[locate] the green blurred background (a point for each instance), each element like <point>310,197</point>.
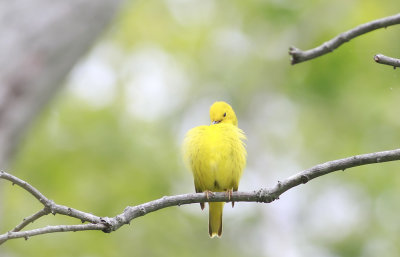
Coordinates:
<point>112,137</point>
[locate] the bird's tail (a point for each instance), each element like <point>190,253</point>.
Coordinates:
<point>215,219</point>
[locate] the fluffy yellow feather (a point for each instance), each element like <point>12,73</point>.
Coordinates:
<point>217,156</point>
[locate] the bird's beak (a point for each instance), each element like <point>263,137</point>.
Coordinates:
<point>216,121</point>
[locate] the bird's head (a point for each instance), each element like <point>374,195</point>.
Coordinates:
<point>221,112</point>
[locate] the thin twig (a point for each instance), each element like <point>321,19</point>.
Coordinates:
<point>299,56</point>
<point>382,59</point>
<point>31,219</point>
<point>49,229</point>
<point>33,191</point>
<point>53,207</point>
<point>263,195</point>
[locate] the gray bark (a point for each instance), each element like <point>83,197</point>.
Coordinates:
<point>299,56</point>
<point>108,225</point>
<point>40,41</point>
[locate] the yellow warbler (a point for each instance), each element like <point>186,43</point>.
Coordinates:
<point>217,156</point>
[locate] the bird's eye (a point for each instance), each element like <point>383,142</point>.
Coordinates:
<point>224,114</point>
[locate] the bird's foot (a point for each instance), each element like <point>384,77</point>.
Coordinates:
<point>229,192</point>
<point>208,193</point>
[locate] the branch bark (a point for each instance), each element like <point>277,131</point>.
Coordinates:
<point>106,224</point>
<point>382,59</point>
<point>299,56</point>
<point>26,221</point>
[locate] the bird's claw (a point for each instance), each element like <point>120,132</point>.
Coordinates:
<point>229,192</point>
<point>208,193</point>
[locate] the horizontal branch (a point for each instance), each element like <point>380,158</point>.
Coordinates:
<point>107,224</point>
<point>261,195</point>
<point>382,59</point>
<point>48,230</point>
<point>299,56</point>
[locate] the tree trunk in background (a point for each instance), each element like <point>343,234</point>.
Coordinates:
<point>40,41</point>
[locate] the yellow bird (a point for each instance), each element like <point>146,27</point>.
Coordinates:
<point>216,155</point>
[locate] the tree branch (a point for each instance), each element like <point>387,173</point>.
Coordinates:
<point>48,230</point>
<point>299,56</point>
<point>52,207</point>
<point>382,59</point>
<point>25,222</point>
<point>108,225</point>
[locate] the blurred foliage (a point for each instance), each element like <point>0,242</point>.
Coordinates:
<point>169,60</point>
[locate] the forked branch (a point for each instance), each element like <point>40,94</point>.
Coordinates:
<point>106,224</point>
